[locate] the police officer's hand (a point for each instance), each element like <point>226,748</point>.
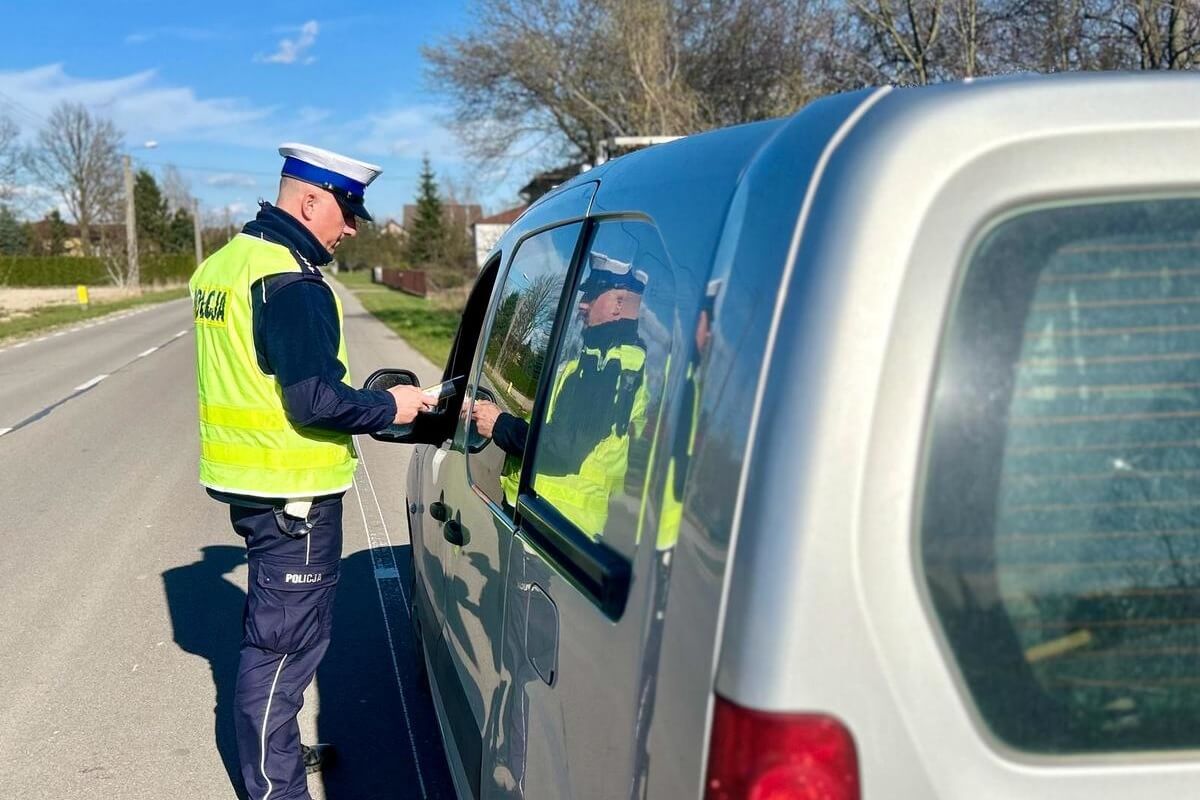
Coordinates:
<point>410,402</point>
<point>485,415</point>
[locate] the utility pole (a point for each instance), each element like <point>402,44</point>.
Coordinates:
<point>196,231</point>
<point>134,276</point>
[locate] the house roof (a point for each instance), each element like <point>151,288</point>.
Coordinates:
<point>506,217</point>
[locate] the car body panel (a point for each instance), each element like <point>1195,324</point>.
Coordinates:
<point>899,209</point>
<point>837,239</point>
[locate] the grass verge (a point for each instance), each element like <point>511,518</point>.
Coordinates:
<point>426,324</point>
<point>40,319</point>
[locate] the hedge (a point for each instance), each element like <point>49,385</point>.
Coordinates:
<point>71,270</point>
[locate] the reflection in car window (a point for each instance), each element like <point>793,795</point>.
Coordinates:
<point>593,446</point>
<point>514,357</point>
<point>1061,526</point>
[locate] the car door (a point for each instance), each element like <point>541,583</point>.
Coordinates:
<point>425,495</point>
<point>588,570</point>
<point>477,519</point>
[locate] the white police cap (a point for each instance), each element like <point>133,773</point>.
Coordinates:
<point>609,273</point>
<point>343,177</point>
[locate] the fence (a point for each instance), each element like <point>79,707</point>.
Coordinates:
<point>409,281</point>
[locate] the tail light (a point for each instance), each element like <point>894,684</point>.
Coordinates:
<point>757,755</point>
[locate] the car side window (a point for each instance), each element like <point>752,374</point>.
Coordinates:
<point>514,355</point>
<point>593,446</point>
<point>1060,530</point>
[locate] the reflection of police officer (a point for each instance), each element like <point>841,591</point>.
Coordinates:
<point>276,415</point>
<point>597,396</point>
<point>669,520</point>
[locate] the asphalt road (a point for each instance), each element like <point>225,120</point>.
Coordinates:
<point>122,584</point>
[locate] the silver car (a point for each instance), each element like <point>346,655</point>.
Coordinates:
<point>849,455</point>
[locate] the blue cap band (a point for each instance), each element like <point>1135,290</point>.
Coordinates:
<point>303,171</point>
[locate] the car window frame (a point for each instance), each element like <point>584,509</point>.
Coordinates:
<point>596,569</point>
<point>982,723</point>
<point>485,333</point>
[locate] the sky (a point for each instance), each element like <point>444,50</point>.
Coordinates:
<point>218,86</point>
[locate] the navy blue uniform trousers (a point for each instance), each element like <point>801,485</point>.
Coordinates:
<point>286,628</point>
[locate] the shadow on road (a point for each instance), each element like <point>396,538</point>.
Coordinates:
<point>206,617</point>
<point>387,748</point>
<point>388,743</point>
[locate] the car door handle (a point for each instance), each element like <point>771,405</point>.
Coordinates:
<point>455,533</point>
<point>439,511</point>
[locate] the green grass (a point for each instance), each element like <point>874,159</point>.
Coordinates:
<point>423,323</point>
<point>40,319</point>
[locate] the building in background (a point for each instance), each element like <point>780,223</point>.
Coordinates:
<point>488,230</point>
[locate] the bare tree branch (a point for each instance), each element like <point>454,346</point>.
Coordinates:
<point>78,157</point>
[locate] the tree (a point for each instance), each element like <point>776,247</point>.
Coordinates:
<point>10,158</point>
<point>78,157</point>
<point>425,237</point>
<point>55,234</point>
<point>151,212</point>
<point>180,234</point>
<point>574,72</point>
<point>176,190</point>
<point>1164,34</point>
<point>14,238</point>
<point>371,247</point>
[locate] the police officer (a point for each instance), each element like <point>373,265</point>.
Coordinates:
<point>598,396</point>
<point>277,411</point>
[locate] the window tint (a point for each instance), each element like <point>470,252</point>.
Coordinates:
<point>1061,520</point>
<point>514,357</point>
<point>593,446</point>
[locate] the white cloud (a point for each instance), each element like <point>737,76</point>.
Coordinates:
<point>232,179</point>
<point>138,104</point>
<point>409,132</point>
<point>174,32</point>
<point>292,51</point>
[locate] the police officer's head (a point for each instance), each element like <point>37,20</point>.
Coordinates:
<point>324,191</point>
<point>611,291</point>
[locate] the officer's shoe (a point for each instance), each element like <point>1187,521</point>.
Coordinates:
<point>317,757</point>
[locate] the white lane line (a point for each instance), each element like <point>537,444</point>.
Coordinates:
<point>181,333</point>
<point>387,629</point>
<point>89,384</point>
<point>4,431</point>
<point>19,346</point>
<point>145,353</point>
<point>42,339</point>
<point>60,333</point>
<point>386,533</point>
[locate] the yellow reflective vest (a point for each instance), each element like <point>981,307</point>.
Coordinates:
<point>582,497</point>
<point>247,444</point>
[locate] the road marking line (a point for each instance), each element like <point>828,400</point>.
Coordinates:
<point>386,533</point>
<point>4,431</point>
<point>90,383</point>
<point>19,346</point>
<point>60,333</point>
<point>41,339</point>
<point>145,353</point>
<point>387,629</point>
<point>181,333</point>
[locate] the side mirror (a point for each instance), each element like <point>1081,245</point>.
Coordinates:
<point>476,441</point>
<point>382,380</point>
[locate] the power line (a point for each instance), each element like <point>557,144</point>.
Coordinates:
<point>29,114</point>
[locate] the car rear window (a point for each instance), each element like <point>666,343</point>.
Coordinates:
<point>1060,523</point>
